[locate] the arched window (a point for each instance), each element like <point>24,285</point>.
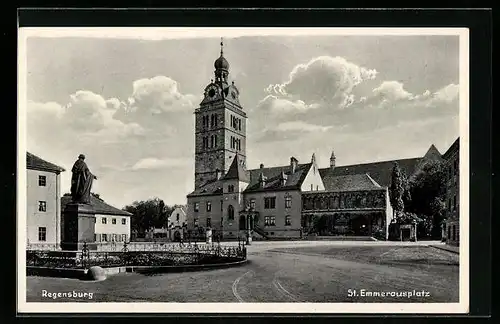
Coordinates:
<point>212,141</point>
<point>230,212</point>
<point>215,140</point>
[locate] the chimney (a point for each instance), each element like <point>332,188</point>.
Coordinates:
<point>262,166</point>
<point>332,161</point>
<point>262,180</point>
<point>293,164</point>
<point>218,174</point>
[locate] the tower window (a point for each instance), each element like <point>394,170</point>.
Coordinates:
<point>230,212</point>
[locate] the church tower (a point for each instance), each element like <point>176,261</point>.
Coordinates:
<point>220,127</point>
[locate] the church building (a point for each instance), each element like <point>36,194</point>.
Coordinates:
<point>278,201</point>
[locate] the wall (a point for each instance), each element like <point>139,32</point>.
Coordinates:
<point>51,218</point>
<point>173,217</point>
<point>280,229</point>
<point>313,178</point>
<point>109,228</point>
<point>453,192</point>
<point>203,213</point>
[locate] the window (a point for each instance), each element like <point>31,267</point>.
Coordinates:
<point>42,234</point>
<point>252,203</point>
<point>177,217</point>
<point>95,237</point>
<point>288,201</point>
<point>317,187</point>
<point>113,237</point>
<point>269,221</point>
<point>209,206</point>
<point>104,220</point>
<point>42,181</point>
<point>311,187</point>
<point>124,237</point>
<point>124,221</point>
<point>209,222</point>
<point>104,237</point>
<point>196,222</point>
<point>288,220</point>
<point>42,206</point>
<point>230,212</point>
<point>230,188</point>
<point>196,207</point>
<point>113,221</point>
<point>269,202</point>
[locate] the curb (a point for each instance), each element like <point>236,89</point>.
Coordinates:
<point>444,249</point>
<point>81,273</point>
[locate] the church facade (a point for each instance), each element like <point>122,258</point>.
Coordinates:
<point>279,201</point>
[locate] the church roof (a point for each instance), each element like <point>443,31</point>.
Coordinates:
<point>34,162</point>
<point>380,172</point>
<point>236,170</point>
<point>213,187</point>
<point>274,178</point>
<point>453,148</point>
<point>352,182</point>
<point>100,207</point>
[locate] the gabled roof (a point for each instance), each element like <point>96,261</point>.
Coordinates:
<point>213,187</point>
<point>34,162</point>
<point>381,172</point>
<point>273,175</point>
<point>453,148</point>
<point>182,208</point>
<point>236,170</point>
<point>352,182</point>
<point>100,207</point>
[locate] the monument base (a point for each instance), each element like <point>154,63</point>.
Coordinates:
<point>79,227</point>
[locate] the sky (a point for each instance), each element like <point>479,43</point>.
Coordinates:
<point>127,102</point>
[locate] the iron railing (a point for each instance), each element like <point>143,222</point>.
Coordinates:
<point>156,255</point>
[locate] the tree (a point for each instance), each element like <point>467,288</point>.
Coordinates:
<point>428,190</point>
<point>397,190</point>
<point>148,214</point>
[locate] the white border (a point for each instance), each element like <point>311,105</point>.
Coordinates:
<point>333,308</point>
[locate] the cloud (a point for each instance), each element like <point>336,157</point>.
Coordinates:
<point>447,93</point>
<point>276,105</point>
<point>324,80</point>
<point>155,163</point>
<point>117,134</point>
<point>392,91</point>
<point>159,94</point>
<point>301,126</point>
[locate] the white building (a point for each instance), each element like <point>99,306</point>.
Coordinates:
<point>43,219</point>
<point>111,224</point>
<point>178,218</point>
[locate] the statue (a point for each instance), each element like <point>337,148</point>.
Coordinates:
<point>81,181</point>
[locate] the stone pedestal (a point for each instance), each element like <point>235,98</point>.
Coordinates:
<point>79,227</point>
<point>209,235</point>
<point>249,238</point>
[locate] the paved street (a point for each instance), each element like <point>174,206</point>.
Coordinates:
<point>289,272</point>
